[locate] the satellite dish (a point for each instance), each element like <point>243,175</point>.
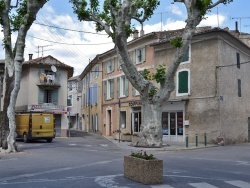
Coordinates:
<point>53,68</point>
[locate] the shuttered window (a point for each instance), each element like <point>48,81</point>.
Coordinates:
<point>238,60</point>
<point>183,82</point>
<point>185,58</point>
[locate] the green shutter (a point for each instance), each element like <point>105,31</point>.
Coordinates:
<point>118,87</point>
<point>55,96</point>
<point>126,87</point>
<point>183,82</point>
<point>186,56</point>
<point>105,90</point>
<point>40,95</point>
<point>112,88</point>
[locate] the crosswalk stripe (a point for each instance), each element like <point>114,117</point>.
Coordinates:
<point>161,186</point>
<point>239,183</point>
<point>202,185</point>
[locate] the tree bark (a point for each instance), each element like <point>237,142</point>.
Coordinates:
<point>151,129</point>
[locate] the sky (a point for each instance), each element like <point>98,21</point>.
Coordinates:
<point>78,43</point>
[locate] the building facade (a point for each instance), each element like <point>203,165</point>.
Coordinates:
<point>212,89</point>
<point>43,88</point>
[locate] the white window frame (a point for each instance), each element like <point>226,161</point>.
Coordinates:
<point>143,57</point>
<point>177,81</point>
<point>96,71</point>
<point>71,100</point>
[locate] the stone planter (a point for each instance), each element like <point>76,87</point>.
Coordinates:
<point>143,171</point>
<point>126,138</point>
<point>135,139</point>
<point>116,135</point>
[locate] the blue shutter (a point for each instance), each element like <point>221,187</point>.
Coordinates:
<point>55,96</point>
<point>40,95</point>
<point>91,96</point>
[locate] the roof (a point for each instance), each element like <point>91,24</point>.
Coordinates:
<point>49,61</point>
<point>73,78</point>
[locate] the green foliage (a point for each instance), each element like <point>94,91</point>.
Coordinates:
<point>159,76</point>
<point>90,11</point>
<point>2,7</point>
<point>152,91</point>
<point>176,42</point>
<point>146,74</point>
<point>203,5</point>
<point>17,18</point>
<point>143,155</point>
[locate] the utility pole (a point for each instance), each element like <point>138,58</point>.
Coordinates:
<point>239,18</point>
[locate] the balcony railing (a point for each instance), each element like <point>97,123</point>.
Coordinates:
<point>49,80</point>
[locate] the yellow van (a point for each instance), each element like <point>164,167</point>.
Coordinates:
<point>31,126</point>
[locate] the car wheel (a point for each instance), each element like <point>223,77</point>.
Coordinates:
<point>49,140</point>
<point>25,138</point>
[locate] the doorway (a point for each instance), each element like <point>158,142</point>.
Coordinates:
<point>136,121</point>
<point>109,122</point>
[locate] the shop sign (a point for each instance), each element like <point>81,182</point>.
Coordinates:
<point>135,103</point>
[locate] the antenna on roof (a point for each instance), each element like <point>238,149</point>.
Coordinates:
<point>239,18</point>
<point>38,47</point>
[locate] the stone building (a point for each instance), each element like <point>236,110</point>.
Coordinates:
<point>44,89</point>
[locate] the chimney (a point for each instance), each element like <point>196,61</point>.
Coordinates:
<point>136,33</point>
<point>236,27</point>
<point>30,56</point>
<point>141,32</point>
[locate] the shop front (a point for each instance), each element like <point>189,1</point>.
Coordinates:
<point>173,128</point>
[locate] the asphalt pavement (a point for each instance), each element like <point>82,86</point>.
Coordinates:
<point>167,145</point>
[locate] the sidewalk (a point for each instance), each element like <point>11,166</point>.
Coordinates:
<point>167,145</point>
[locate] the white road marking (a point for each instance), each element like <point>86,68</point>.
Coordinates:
<point>87,145</point>
<point>161,186</point>
<point>72,144</point>
<point>202,185</point>
<point>108,181</point>
<point>104,145</point>
<point>238,183</point>
<point>242,163</point>
<point>13,159</point>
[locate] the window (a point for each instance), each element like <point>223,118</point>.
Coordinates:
<point>238,60</point>
<point>83,84</point>
<point>69,102</point>
<point>122,86</point>
<point>89,97</point>
<point>95,121</point>
<point>47,96</point>
<point>83,100</point>
<point>90,77</point>
<point>185,58</point>
<point>123,119</point>
<point>110,65</point>
<point>109,89</point>
<point>183,82</point>
<point>239,87</point>
<point>70,86</point>
<point>96,71</point>
<point>139,55</point>
<point>95,93</point>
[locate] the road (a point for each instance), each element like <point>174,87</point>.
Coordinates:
<point>94,162</point>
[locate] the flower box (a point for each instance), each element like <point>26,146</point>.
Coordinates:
<point>126,138</point>
<point>143,171</point>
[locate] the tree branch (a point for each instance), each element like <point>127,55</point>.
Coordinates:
<point>216,3</point>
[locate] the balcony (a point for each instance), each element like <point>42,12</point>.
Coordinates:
<point>49,80</point>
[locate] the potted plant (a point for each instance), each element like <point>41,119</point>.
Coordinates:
<point>143,168</point>
<point>127,137</point>
<point>116,134</point>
